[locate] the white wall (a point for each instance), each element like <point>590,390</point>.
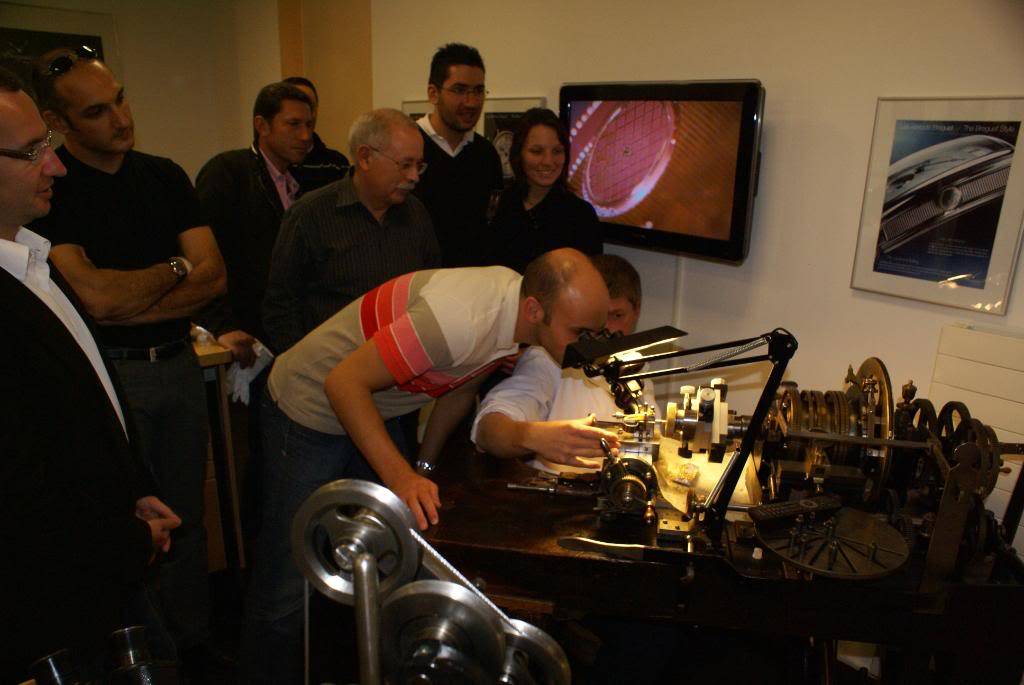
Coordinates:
<point>823,65</point>
<point>191,69</point>
<point>337,55</point>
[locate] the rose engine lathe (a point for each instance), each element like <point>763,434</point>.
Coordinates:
<point>843,483</point>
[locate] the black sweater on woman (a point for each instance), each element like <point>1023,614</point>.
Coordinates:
<point>517,235</point>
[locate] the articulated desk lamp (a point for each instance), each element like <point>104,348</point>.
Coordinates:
<point>620,361</point>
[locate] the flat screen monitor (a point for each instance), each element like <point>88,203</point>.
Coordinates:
<point>668,166</point>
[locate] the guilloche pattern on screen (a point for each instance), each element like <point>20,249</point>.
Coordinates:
<point>657,164</point>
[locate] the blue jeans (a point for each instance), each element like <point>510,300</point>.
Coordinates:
<point>297,461</point>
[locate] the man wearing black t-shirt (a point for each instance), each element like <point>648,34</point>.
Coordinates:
<point>127,236</point>
<point>463,169</point>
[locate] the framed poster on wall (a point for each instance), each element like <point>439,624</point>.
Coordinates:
<point>28,32</point>
<point>943,201</point>
<point>416,108</point>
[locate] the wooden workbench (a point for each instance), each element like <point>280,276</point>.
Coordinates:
<point>509,540</point>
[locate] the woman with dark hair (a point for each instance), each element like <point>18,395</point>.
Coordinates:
<point>538,213</point>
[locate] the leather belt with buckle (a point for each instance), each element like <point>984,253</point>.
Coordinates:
<point>150,354</point>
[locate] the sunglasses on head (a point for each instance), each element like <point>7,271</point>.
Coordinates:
<point>62,64</point>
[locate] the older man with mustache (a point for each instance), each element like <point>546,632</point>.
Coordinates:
<point>350,236</point>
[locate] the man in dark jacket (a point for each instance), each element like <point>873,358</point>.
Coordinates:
<point>77,514</point>
<point>243,194</point>
<point>322,165</point>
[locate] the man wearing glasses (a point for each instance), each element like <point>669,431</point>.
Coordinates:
<point>127,236</point>
<point>73,512</point>
<point>346,238</point>
<point>465,170</point>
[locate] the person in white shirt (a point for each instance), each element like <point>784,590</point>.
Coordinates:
<point>550,412</point>
<point>76,509</point>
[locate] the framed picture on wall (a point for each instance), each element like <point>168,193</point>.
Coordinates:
<point>416,108</point>
<point>497,123</point>
<point>943,202</point>
<point>26,33</point>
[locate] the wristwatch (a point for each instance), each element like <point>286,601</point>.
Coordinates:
<point>179,266</point>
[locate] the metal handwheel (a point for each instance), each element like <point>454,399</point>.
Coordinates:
<point>344,519</point>
<point>876,418</point>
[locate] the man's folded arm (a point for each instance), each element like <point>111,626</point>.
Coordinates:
<point>206,281</point>
<point>112,294</point>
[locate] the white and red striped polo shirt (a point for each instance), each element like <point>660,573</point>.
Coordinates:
<point>434,330</point>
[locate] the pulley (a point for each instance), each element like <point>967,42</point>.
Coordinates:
<point>344,519</point>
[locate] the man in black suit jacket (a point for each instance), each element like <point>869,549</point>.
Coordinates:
<point>77,525</point>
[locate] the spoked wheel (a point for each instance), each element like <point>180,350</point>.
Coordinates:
<point>871,392</point>
<point>344,519</point>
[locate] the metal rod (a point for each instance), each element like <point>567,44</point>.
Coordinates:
<point>781,348</point>
<point>721,346</point>
<point>305,631</point>
<point>366,588</point>
<point>716,492</point>
<point>857,440</point>
<point>546,489</point>
<point>677,351</point>
<point>730,353</point>
<point>553,489</point>
<point>1011,518</point>
<point>679,370</point>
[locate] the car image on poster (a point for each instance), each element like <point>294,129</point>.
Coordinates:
<point>943,197</point>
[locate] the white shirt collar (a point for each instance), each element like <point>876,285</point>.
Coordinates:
<point>17,256</point>
<point>467,137</point>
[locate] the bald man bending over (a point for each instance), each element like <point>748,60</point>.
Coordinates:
<point>332,404</point>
